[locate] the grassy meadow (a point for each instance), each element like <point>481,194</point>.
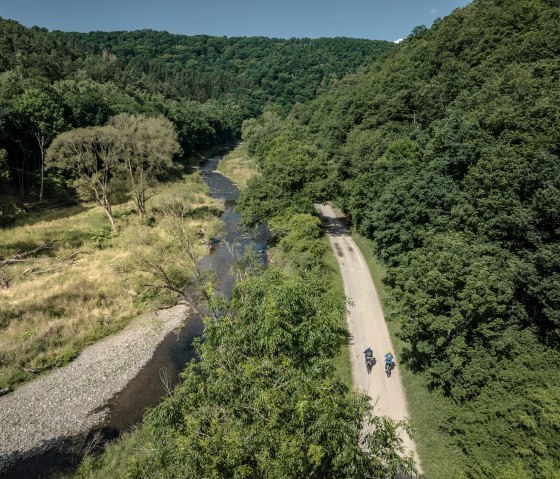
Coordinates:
<point>88,283</point>
<point>237,166</point>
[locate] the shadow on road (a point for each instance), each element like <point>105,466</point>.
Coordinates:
<point>334,227</point>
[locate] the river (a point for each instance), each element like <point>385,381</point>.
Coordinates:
<point>147,389</point>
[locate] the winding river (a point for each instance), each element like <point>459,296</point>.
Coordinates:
<point>171,356</point>
<point>147,388</point>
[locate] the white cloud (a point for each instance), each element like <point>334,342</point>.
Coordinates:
<point>434,10</point>
<point>399,40</point>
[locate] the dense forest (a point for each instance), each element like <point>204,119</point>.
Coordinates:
<point>51,82</point>
<point>202,67</point>
<point>444,151</point>
<point>446,154</point>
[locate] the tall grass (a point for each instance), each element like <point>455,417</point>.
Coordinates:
<point>238,167</point>
<point>55,306</point>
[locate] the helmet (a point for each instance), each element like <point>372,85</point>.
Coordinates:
<point>388,352</point>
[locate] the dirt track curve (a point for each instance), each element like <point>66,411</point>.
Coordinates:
<point>367,326</point>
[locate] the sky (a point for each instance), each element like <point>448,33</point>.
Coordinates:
<point>374,19</point>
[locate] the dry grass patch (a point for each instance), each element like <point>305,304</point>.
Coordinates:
<point>238,167</point>
<point>55,306</point>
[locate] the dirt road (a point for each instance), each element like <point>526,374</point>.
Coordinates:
<point>367,326</point>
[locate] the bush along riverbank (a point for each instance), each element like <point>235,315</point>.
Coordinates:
<point>264,400</point>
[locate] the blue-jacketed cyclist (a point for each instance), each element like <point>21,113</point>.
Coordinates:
<point>389,358</point>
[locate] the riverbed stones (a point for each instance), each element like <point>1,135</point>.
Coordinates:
<point>72,400</point>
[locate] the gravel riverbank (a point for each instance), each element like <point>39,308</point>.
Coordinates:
<point>74,399</point>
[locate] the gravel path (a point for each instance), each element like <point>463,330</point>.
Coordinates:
<point>74,399</point>
<point>367,326</point>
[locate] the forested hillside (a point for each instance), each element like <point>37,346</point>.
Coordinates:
<point>202,67</point>
<point>446,154</point>
<point>52,82</point>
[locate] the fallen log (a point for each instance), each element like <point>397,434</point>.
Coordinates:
<point>69,260</point>
<point>19,257</point>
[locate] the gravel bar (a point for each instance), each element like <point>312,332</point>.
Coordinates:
<point>73,400</point>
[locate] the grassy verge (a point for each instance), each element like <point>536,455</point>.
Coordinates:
<point>342,360</point>
<point>440,459</point>
<point>88,283</point>
<point>237,166</point>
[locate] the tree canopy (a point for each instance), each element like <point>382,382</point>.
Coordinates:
<point>145,148</point>
<point>263,399</point>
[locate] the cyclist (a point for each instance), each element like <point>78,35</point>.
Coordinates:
<point>389,359</point>
<point>369,358</point>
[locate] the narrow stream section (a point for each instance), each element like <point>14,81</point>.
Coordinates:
<point>171,356</point>
<point>162,371</point>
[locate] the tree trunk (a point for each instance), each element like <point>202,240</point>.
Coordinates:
<point>138,190</point>
<point>42,173</point>
<point>112,220</point>
<point>21,174</point>
<point>101,199</point>
<point>41,140</point>
<point>140,203</point>
<point>109,213</point>
<point>104,201</point>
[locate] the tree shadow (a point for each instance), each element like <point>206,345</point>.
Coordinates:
<point>22,246</point>
<point>333,226</point>
<point>201,212</point>
<point>63,456</point>
<point>411,360</point>
<point>51,214</point>
<point>73,238</point>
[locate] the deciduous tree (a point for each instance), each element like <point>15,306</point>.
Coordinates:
<point>46,118</point>
<point>145,148</point>
<point>90,154</point>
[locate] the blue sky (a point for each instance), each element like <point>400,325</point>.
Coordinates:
<point>376,19</point>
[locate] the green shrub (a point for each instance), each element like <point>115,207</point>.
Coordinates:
<point>8,210</point>
<point>262,401</point>
<point>101,238</point>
